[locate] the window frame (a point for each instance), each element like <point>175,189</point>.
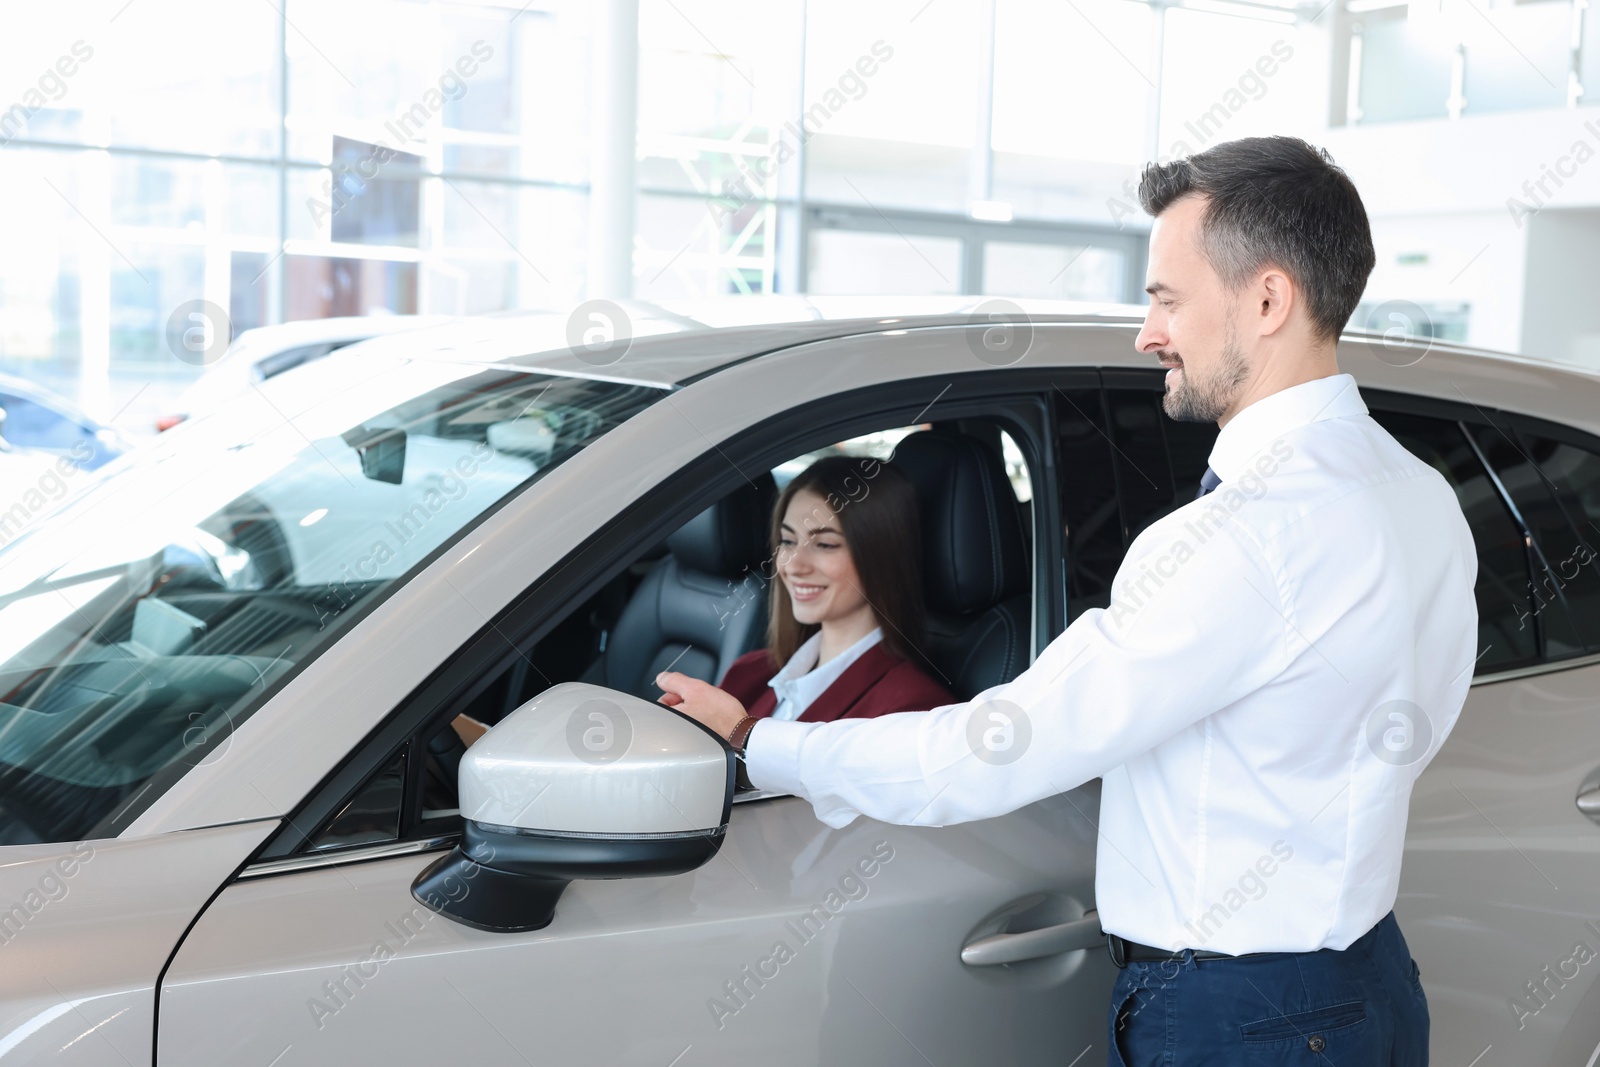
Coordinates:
<point>1016,398</point>
<point>1460,415</point>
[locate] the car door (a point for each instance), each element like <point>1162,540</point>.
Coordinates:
<point>1497,896</point>
<point>796,944</point>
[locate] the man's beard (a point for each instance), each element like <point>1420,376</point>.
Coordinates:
<point>1208,400</point>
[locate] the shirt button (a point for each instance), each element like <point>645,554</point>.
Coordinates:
<point>1316,1044</point>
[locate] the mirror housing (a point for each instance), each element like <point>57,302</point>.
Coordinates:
<point>580,782</point>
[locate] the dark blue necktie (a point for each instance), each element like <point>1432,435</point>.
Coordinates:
<point>1208,482</point>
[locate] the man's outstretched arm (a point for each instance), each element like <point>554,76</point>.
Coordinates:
<point>1114,684</point>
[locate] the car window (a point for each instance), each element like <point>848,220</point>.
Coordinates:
<point>1124,464</point>
<point>1158,461</point>
<point>375,811</point>
<point>29,424</point>
<point>1090,511</point>
<point>1155,465</point>
<point>1556,490</point>
<point>1507,625</point>
<point>275,364</point>
<point>144,620</point>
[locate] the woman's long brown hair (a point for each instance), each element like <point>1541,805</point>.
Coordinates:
<point>875,507</point>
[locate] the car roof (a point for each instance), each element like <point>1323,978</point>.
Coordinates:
<point>262,341</point>
<point>676,342</point>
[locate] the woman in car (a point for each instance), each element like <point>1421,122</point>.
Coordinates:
<point>844,624</point>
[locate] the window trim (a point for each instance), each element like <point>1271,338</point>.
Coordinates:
<point>1015,396</point>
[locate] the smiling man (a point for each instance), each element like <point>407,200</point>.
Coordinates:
<point>1281,658</point>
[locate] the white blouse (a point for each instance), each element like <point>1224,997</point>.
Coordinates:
<point>801,681</point>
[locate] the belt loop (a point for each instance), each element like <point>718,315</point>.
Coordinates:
<point>1114,945</point>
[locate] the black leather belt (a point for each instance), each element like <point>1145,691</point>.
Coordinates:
<point>1124,952</point>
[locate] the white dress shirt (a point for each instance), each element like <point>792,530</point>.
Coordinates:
<point>801,681</point>
<point>1247,698</point>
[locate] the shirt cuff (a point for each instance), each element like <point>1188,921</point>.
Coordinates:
<point>772,755</point>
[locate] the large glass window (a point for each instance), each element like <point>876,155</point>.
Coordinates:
<point>1064,272</point>
<point>144,620</point>
<point>1517,56</point>
<point>850,261</point>
<point>1403,71</point>
<point>891,99</point>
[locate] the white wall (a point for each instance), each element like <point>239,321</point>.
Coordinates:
<point>1448,257</point>
<point>1491,201</point>
<point>1561,315</point>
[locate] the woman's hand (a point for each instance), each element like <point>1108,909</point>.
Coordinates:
<point>468,729</point>
<point>701,701</point>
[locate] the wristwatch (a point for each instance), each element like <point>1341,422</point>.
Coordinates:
<point>741,733</point>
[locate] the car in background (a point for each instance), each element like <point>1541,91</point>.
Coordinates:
<point>265,352</point>
<point>40,421</point>
<point>228,674</point>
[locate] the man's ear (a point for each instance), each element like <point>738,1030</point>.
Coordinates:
<point>1275,299</point>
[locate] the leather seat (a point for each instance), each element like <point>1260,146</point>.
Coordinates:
<point>704,606</point>
<point>974,558</point>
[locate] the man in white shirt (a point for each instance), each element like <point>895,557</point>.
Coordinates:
<point>1279,661</point>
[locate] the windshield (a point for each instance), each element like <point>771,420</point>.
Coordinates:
<point>144,620</point>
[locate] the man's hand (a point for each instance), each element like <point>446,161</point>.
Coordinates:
<point>701,701</point>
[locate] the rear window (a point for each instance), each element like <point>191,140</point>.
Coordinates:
<point>146,619</point>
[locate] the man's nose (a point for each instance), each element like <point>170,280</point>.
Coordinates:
<point>1151,337</point>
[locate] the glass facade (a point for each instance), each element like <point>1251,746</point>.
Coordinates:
<point>302,160</point>
<point>1421,61</point>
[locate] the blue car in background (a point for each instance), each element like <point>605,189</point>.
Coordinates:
<point>39,420</point>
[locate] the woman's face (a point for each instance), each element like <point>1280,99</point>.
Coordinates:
<point>815,564</point>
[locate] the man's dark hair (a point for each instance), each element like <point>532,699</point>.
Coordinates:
<point>1275,201</point>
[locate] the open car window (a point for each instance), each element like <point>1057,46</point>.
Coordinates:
<point>411,795</point>
<point>143,621</point>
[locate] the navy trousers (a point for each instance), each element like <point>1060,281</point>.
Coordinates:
<point>1362,1007</point>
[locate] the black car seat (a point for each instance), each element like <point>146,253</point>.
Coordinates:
<point>704,606</point>
<point>974,559</point>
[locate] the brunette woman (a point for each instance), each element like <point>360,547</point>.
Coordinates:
<point>845,615</point>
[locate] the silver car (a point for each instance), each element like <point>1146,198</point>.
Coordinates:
<point>236,826</point>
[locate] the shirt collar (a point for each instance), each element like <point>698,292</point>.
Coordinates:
<point>802,666</point>
<point>1253,430</point>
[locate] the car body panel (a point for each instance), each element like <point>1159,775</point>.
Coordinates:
<point>341,965</point>
<point>78,974</point>
<point>1498,886</point>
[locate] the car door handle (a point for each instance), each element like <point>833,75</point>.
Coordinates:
<point>1033,944</point>
<point>1589,802</point>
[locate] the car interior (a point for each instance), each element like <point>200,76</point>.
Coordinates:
<point>697,599</point>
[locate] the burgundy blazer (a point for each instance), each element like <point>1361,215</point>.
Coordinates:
<point>875,684</point>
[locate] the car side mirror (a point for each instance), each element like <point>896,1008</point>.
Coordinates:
<point>580,782</point>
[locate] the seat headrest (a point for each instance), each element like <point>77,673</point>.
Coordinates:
<point>731,535</point>
<point>973,552</point>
